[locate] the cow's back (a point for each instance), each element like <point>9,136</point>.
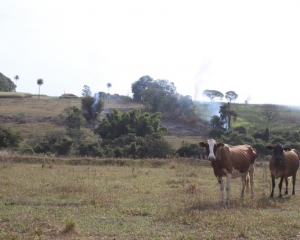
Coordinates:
<point>240,157</point>
<point>292,162</point>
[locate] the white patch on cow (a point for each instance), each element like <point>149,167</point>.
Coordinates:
<point>211,144</point>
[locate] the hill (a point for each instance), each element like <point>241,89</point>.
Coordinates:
<point>32,117</point>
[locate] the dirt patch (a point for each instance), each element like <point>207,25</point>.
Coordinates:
<point>179,129</point>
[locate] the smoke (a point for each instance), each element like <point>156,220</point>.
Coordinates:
<point>96,100</point>
<point>200,81</point>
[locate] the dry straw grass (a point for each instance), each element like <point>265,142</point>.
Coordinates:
<point>178,200</point>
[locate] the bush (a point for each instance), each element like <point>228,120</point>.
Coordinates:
<point>9,139</point>
<point>241,130</point>
<point>279,139</point>
<point>90,149</point>
<point>260,147</point>
<point>54,142</point>
<point>189,150</point>
<point>216,133</point>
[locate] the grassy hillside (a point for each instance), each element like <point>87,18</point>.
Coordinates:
<point>251,116</point>
<point>33,116</point>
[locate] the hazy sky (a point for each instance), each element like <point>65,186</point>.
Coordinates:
<point>250,47</point>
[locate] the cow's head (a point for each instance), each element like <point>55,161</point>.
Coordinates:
<point>278,152</point>
<point>211,147</point>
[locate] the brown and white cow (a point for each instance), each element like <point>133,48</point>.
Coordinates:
<point>232,162</point>
<point>283,164</point>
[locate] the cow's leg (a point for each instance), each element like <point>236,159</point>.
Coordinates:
<point>286,186</point>
<point>294,182</point>
<point>244,180</point>
<point>251,176</point>
<point>273,186</point>
<point>280,187</point>
<point>221,183</point>
<point>228,187</point>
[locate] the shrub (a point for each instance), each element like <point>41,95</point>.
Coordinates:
<point>90,149</point>
<point>241,130</point>
<point>189,150</point>
<point>55,142</point>
<point>216,133</point>
<point>9,139</point>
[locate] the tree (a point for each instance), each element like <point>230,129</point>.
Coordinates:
<point>163,85</point>
<point>9,138</point>
<point>216,122</point>
<point>212,94</point>
<point>247,100</point>
<point>92,107</point>
<point>72,117</point>
<point>40,82</point>
<point>231,96</point>
<point>6,85</point>
<point>139,86</point>
<point>108,85</point>
<point>54,142</point>
<point>134,122</point>
<point>16,78</point>
<point>226,114</point>
<point>267,135</point>
<point>186,105</point>
<point>86,91</point>
<point>270,112</point>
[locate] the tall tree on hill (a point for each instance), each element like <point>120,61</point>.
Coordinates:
<point>108,85</point>
<point>230,96</point>
<point>212,94</point>
<point>139,86</point>
<point>270,112</point>
<point>40,82</point>
<point>16,78</point>
<point>86,91</point>
<point>92,107</point>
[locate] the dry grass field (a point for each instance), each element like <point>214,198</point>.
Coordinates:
<point>136,199</point>
<point>43,197</point>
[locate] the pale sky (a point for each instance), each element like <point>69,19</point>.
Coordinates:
<point>250,47</point>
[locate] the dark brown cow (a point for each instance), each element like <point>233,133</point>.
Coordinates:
<point>232,162</point>
<point>283,164</point>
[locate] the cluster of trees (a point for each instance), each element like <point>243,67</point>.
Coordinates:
<point>226,114</point>
<point>133,134</point>
<point>161,96</point>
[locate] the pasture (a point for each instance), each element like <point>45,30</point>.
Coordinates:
<point>51,198</point>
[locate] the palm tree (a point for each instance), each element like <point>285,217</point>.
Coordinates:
<point>40,82</point>
<point>16,78</point>
<point>108,85</point>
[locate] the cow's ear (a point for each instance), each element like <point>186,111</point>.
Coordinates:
<point>202,144</point>
<point>287,149</point>
<point>220,145</point>
<point>269,147</point>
